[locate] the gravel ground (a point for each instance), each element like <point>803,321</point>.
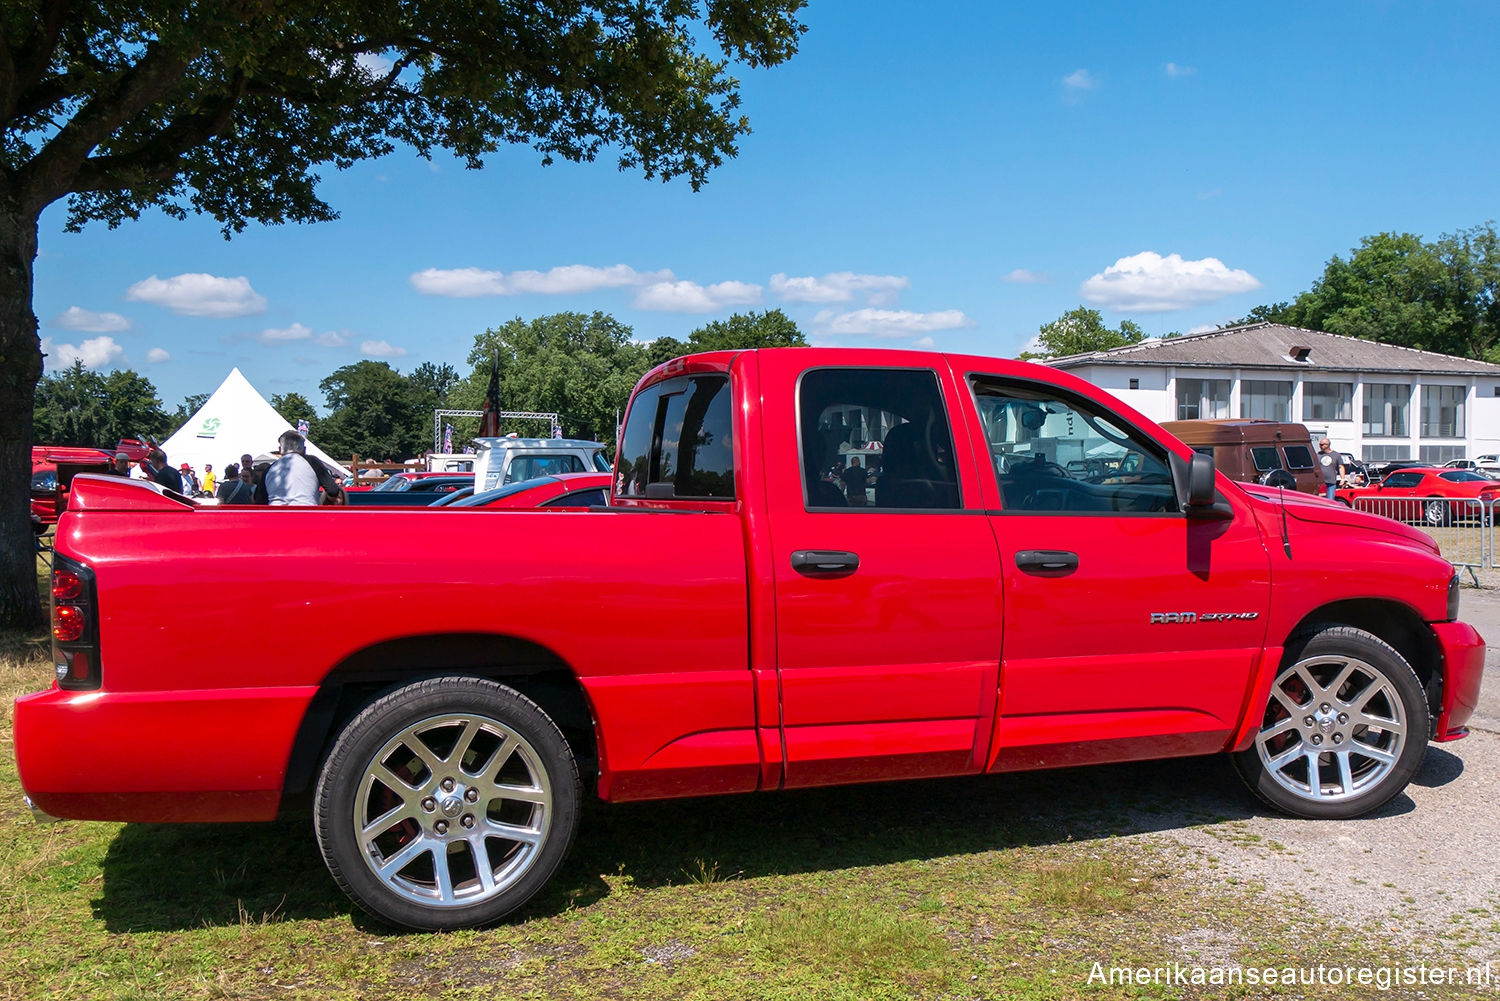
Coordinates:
<point>1423,869</point>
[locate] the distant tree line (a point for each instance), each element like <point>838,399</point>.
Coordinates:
<point>581,366</point>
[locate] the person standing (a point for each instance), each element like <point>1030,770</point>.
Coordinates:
<point>237,488</point>
<point>162,473</point>
<point>1330,466</point>
<point>296,477</point>
<point>121,465</point>
<point>856,479</point>
<point>209,481</point>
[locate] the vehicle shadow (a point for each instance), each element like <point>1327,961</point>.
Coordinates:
<point>172,877</point>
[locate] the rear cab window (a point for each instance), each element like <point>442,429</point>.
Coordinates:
<point>1298,457</point>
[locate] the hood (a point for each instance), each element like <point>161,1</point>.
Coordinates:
<point>1305,507</point>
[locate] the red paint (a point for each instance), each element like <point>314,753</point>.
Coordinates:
<point>709,664</point>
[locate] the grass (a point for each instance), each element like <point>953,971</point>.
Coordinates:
<point>1009,887</point>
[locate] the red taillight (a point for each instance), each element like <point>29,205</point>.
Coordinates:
<point>66,585</point>
<point>78,668</point>
<point>67,623</point>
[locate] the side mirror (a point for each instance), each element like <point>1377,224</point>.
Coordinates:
<point>1194,480</point>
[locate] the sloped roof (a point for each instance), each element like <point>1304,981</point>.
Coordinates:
<point>234,420</point>
<point>1269,345</point>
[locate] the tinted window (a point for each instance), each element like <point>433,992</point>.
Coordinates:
<point>1265,457</point>
<point>45,481</point>
<point>1298,457</point>
<point>1464,476</point>
<point>580,498</point>
<point>875,438</point>
<point>529,467</point>
<point>1063,456</point>
<point>601,464</point>
<point>678,441</point>
<point>1402,479</point>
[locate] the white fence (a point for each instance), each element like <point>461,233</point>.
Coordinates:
<point>1463,528</point>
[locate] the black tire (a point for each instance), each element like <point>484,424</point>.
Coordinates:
<point>462,775</point>
<point>1334,725</point>
<point>1437,512</point>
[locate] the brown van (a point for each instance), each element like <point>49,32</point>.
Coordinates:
<point>1255,451</point>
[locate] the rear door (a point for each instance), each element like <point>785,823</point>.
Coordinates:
<point>1130,630</point>
<point>887,582</point>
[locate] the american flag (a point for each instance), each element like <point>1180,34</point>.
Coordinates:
<point>447,437</point>
<point>302,426</point>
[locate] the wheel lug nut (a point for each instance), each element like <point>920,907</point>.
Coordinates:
<point>449,783</point>
<point>1343,718</point>
<point>441,827</point>
<point>429,804</point>
<point>472,795</point>
<point>1308,721</point>
<point>1317,738</point>
<point>1325,707</point>
<point>1338,738</point>
<point>468,820</point>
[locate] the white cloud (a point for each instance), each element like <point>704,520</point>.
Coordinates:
<point>690,297</point>
<point>1079,81</point>
<point>469,283</point>
<point>375,65</point>
<point>332,338</point>
<point>840,286</point>
<point>924,343</point>
<point>158,355</point>
<point>889,323</point>
<point>1204,328</point>
<point>380,349</point>
<point>95,352</point>
<point>1150,283</point>
<point>74,318</point>
<point>1023,276</point>
<point>283,335</point>
<point>199,295</point>
<point>1176,70</point>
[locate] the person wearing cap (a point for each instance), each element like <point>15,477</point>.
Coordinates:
<point>209,481</point>
<point>189,479</point>
<point>162,473</point>
<point>121,465</point>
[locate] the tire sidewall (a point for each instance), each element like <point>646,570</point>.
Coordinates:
<point>342,773</point>
<point>1336,641</point>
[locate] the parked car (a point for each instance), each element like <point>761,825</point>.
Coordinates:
<point>45,462</point>
<point>564,490</point>
<point>1435,495</point>
<point>1356,472</point>
<point>1271,453</point>
<point>509,460</point>
<point>1484,465</point>
<point>410,489</point>
<point>443,686</point>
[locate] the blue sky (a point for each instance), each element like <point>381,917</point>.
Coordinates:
<point>944,175</point>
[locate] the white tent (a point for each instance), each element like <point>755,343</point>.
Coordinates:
<point>234,420</point>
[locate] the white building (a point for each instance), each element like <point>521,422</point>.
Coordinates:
<point>1378,401</point>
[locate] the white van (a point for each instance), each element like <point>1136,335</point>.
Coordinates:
<point>510,460</point>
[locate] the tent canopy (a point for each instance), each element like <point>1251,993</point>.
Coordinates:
<point>234,420</point>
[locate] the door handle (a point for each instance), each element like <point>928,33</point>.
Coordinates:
<point>824,562</point>
<point>1046,562</point>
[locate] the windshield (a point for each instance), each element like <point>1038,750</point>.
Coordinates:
<point>395,484</point>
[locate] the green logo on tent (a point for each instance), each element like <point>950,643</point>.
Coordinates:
<point>210,428</point>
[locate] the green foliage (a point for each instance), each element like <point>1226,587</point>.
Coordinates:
<point>769,328</point>
<point>1082,330</point>
<point>374,412</point>
<point>1276,312</point>
<point>435,380</point>
<point>1399,289</point>
<point>187,408</point>
<point>293,407</point>
<point>78,406</point>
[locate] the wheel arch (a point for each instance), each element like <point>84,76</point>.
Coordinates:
<point>1397,624</point>
<point>530,668</point>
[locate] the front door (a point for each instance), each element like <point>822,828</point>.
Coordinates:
<point>887,582</point>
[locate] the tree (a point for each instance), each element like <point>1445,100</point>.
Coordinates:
<point>770,328</point>
<point>230,108</point>
<point>189,406</point>
<point>581,366</point>
<point>374,412</point>
<point>1082,330</point>
<point>80,407</point>
<point>435,380</point>
<point>293,407</point>
<point>1276,312</point>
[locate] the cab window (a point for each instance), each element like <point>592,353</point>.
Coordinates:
<point>1403,479</point>
<point>678,441</point>
<point>1266,458</point>
<point>1299,457</point>
<point>1058,454</point>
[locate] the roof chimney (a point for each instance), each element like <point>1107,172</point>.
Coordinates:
<point>1299,353</point>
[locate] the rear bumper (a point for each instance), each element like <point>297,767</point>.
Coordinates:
<point>1463,669</point>
<point>157,757</point>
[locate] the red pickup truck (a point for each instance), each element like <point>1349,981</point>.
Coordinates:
<point>818,566</point>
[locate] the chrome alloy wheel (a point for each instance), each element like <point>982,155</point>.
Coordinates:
<point>1334,729</point>
<point>452,810</point>
<point>1435,513</point>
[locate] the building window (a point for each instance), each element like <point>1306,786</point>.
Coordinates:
<point>1443,412</point>
<point>1327,401</point>
<point>1436,455</point>
<point>1386,453</point>
<point>1136,384</point>
<point>1202,398</point>
<point>1271,401</point>
<point>1385,411</point>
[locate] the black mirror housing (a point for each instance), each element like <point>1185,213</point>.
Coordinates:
<point>1196,484</point>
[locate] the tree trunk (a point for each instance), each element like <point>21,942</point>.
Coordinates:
<point>20,368</point>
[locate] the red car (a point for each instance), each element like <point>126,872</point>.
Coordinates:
<point>44,461</point>
<point>1026,573</point>
<point>1430,494</point>
<point>560,491</point>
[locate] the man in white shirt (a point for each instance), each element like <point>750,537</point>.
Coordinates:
<point>291,478</point>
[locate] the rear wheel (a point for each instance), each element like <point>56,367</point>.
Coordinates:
<point>1344,729</point>
<point>447,804</point>
<point>1435,512</point>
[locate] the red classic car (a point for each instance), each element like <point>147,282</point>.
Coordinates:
<point>44,462</point>
<point>1429,494</point>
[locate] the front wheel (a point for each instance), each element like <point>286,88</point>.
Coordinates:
<point>1435,512</point>
<point>447,804</point>
<point>1345,727</point>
